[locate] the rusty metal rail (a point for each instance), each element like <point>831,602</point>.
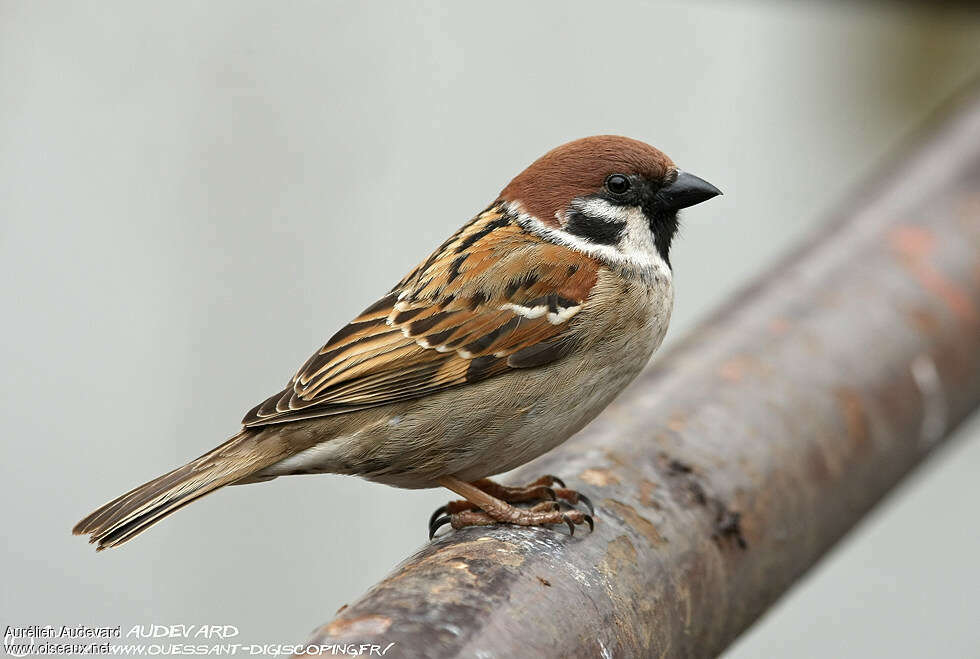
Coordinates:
<point>730,467</point>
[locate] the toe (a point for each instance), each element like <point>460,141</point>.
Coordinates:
<point>436,523</point>
<point>441,510</point>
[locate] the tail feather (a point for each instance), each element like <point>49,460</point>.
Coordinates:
<point>132,513</point>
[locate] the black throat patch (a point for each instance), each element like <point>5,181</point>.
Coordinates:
<point>663,226</point>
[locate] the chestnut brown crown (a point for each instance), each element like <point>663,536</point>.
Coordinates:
<point>580,168</point>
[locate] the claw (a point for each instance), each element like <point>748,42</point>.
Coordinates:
<point>436,524</point>
<point>440,510</point>
<point>534,504</point>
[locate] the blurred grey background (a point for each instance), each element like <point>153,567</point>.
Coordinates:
<point>193,196</point>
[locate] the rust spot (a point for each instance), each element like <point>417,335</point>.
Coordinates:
<point>484,547</point>
<point>620,460</point>
<point>912,242</point>
<point>855,417</point>
<point>618,552</point>
<point>620,559</point>
<point>633,619</point>
<point>779,326</point>
<point>735,369</point>
<point>645,491</point>
<point>635,521</point>
<point>360,626</point>
<point>460,575</point>
<point>915,245</point>
<point>924,321</point>
<point>817,468</point>
<point>544,582</point>
<point>677,422</point>
<point>599,477</point>
<point>826,464</point>
<point>969,210</point>
<point>732,371</point>
<point>451,568</point>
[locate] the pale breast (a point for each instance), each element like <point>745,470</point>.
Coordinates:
<point>628,322</point>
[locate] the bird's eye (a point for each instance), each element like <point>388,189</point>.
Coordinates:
<point>617,184</point>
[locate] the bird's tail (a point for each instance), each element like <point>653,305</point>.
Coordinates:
<point>129,515</point>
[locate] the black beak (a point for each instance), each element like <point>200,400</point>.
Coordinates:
<point>686,190</point>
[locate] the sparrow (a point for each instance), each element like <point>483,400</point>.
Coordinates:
<point>508,339</point>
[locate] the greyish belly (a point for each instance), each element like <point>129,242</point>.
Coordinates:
<point>479,431</point>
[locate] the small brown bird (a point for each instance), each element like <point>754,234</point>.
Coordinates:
<point>504,342</point>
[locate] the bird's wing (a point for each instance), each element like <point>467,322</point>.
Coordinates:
<point>492,298</point>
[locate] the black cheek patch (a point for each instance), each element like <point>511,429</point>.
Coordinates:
<point>594,229</point>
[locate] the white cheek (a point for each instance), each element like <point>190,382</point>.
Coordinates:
<point>637,243</point>
<point>603,209</point>
<point>636,250</point>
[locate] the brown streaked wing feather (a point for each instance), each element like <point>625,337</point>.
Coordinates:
<point>492,298</point>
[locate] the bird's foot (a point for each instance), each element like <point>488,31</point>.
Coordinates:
<point>488,502</point>
<point>540,490</point>
<point>545,513</point>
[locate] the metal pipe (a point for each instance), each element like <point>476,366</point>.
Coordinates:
<point>740,458</point>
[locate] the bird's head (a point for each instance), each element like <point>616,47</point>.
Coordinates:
<point>608,192</point>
